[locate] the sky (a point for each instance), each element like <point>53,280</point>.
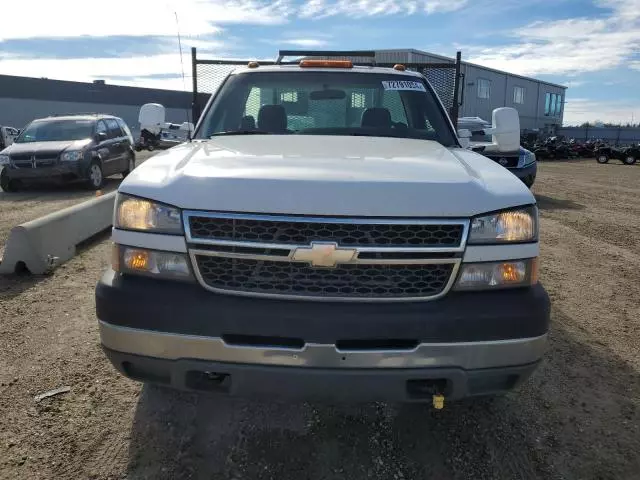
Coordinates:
<point>591,46</point>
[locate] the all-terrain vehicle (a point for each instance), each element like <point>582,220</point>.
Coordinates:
<point>627,155</point>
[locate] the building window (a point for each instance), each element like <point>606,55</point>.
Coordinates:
<point>484,88</point>
<point>552,105</point>
<point>518,95</point>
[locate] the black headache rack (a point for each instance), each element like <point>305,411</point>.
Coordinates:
<point>444,77</point>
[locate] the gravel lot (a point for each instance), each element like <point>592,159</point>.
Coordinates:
<point>17,208</point>
<point>578,418</point>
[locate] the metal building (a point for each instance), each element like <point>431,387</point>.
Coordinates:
<point>540,103</point>
<point>23,99</point>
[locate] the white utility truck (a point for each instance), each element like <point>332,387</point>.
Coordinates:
<point>325,235</point>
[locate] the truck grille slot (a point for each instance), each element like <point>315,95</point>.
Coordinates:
<point>345,281</point>
<point>261,341</point>
<point>352,234</point>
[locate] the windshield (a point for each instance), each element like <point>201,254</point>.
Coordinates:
<point>56,130</point>
<point>327,103</point>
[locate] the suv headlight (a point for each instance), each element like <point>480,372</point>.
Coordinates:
<point>4,159</point>
<point>73,156</point>
<point>492,275</point>
<point>511,226</point>
<point>133,213</point>
<point>529,158</point>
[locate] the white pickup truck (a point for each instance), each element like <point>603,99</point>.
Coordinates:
<point>325,235</point>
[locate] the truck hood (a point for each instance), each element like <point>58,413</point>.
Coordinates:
<point>327,175</point>
<point>36,147</point>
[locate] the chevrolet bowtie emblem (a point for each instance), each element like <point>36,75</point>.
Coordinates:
<point>324,254</point>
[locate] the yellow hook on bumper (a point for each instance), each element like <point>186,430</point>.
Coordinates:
<point>438,402</point>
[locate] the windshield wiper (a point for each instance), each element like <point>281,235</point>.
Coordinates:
<point>240,132</point>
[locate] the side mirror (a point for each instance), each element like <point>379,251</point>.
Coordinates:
<point>464,135</point>
<point>505,129</point>
<point>101,137</point>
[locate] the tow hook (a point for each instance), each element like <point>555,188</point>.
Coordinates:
<point>438,401</point>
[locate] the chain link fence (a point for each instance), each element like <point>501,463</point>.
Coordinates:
<point>445,78</point>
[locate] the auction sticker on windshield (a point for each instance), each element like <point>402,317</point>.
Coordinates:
<point>403,85</point>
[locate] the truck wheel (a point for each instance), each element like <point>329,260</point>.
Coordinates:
<point>629,160</point>
<point>602,159</point>
<point>95,177</point>
<point>151,148</point>
<point>131,164</point>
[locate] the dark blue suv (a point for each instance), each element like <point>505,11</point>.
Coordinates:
<point>87,147</point>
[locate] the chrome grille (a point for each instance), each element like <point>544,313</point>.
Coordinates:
<point>302,232</point>
<point>323,258</point>
<point>299,279</point>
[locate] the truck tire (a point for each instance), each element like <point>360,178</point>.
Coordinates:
<point>602,158</point>
<point>629,160</point>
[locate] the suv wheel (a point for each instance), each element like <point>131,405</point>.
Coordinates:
<point>602,159</point>
<point>95,178</point>
<point>629,160</point>
<point>7,184</point>
<point>131,164</point>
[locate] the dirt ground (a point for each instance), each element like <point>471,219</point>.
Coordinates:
<point>577,418</point>
<point>35,202</point>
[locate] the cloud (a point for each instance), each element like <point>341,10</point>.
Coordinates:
<point>138,17</point>
<point>369,8</point>
<point>89,69</point>
<point>304,42</point>
<point>580,110</point>
<point>569,46</point>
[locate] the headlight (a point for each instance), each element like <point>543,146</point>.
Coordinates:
<point>518,225</point>
<point>147,216</point>
<point>4,159</point>
<point>505,274</point>
<point>72,156</point>
<point>529,158</point>
<point>152,263</point>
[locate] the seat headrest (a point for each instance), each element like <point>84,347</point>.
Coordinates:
<point>272,118</point>
<point>376,117</point>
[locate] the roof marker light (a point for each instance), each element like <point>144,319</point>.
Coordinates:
<point>326,64</point>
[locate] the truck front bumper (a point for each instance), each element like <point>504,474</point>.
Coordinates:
<point>183,336</point>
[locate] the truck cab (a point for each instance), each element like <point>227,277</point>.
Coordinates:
<point>325,235</point>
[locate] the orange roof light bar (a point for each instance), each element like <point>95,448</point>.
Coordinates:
<point>326,64</point>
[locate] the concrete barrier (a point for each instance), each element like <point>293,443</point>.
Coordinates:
<point>45,243</point>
